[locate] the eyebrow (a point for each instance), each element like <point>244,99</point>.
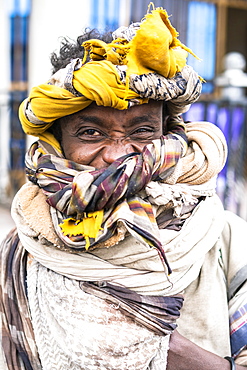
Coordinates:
<point>143,118</point>
<point>92,119</point>
<point>133,121</point>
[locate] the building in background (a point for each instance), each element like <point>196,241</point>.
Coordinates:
<point>14,75</point>
<point>30,30</point>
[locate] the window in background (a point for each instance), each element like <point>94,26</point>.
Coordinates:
<point>105,14</point>
<point>196,23</point>
<point>201,38</point>
<point>19,11</point>
<point>177,11</point>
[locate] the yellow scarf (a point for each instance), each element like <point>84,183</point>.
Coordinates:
<point>154,48</point>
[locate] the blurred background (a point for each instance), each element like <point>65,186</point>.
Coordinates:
<point>216,30</point>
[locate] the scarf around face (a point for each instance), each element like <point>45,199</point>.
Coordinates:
<point>58,179</point>
<point>88,204</point>
<point>91,207</point>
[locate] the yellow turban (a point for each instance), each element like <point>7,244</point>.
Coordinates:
<point>153,49</point>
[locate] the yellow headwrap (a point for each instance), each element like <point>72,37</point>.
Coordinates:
<point>154,48</point>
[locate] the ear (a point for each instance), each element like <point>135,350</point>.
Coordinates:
<point>165,117</point>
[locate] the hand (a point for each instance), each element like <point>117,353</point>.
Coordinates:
<point>185,355</point>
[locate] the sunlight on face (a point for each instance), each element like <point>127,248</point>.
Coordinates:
<point>97,136</point>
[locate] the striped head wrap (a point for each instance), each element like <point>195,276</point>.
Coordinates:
<point>119,75</point>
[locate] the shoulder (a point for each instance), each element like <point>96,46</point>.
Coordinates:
<point>10,239</point>
<point>233,248</point>
<point>235,220</point>
<point>235,228</point>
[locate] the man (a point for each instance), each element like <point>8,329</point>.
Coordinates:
<point>119,227</point>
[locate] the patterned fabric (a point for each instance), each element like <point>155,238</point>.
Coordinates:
<point>73,189</point>
<point>16,336</point>
<point>114,190</point>
<point>79,331</point>
<point>238,329</point>
<point>238,306</point>
<point>178,92</point>
<point>237,282</point>
<point>158,313</point>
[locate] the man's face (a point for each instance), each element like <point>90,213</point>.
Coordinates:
<point>97,136</point>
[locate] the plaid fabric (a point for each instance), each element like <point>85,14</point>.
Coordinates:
<point>238,330</point>
<point>17,337</point>
<point>73,190</point>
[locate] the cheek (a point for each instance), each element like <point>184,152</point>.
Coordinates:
<point>78,153</point>
<point>100,155</point>
<point>85,154</point>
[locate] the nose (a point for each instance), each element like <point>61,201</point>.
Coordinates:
<point>115,150</point>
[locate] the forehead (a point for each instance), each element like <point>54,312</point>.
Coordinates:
<point>152,109</point>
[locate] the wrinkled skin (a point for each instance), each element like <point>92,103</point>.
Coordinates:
<point>98,135</point>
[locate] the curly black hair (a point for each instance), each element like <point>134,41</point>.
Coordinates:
<point>71,49</point>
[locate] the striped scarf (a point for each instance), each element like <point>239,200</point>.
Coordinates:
<point>80,194</point>
<point>16,335</point>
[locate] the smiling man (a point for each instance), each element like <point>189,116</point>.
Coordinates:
<point>97,136</point>
<point>123,256</point>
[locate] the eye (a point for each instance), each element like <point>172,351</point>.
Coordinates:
<point>143,133</point>
<point>142,129</point>
<point>89,134</point>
